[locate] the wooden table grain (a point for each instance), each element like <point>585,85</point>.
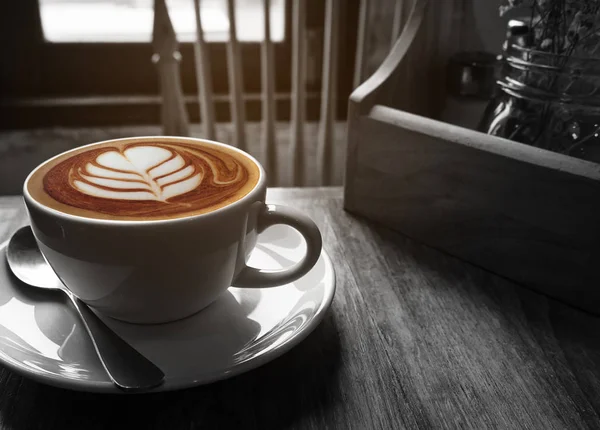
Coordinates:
<point>414,339</point>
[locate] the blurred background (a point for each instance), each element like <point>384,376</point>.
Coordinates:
<point>78,71</point>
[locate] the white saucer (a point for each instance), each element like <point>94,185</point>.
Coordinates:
<point>41,337</point>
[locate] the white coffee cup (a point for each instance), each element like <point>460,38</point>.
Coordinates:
<point>164,270</point>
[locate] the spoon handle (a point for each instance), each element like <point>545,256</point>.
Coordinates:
<point>127,368</point>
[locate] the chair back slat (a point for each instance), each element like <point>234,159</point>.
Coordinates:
<point>166,58</point>
<point>204,78</point>
<point>363,14</point>
<point>234,68</point>
<point>298,108</point>
<point>328,92</point>
<point>269,147</point>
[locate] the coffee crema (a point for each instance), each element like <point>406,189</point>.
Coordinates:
<point>147,179</point>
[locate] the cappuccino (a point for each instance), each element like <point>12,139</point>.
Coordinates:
<point>144,179</point>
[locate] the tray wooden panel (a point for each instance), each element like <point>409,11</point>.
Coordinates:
<point>524,213</point>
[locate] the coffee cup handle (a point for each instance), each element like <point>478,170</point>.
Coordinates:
<point>251,277</point>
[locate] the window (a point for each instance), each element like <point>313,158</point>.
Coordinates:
<point>88,62</point>
<point>123,21</point>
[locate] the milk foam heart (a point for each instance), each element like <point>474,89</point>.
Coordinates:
<point>139,173</point>
<point>144,179</point>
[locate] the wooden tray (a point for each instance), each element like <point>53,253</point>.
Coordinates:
<point>524,213</point>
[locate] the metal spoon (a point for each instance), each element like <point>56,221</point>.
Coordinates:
<point>126,367</point>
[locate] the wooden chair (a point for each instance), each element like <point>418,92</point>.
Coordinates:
<point>175,120</point>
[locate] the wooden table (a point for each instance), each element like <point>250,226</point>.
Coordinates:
<point>414,339</point>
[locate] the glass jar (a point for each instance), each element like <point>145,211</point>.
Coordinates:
<point>470,82</point>
<point>549,101</point>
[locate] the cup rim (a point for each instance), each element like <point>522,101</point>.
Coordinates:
<point>251,195</point>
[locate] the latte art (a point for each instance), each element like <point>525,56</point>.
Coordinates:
<point>144,179</point>
<point>139,173</point>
